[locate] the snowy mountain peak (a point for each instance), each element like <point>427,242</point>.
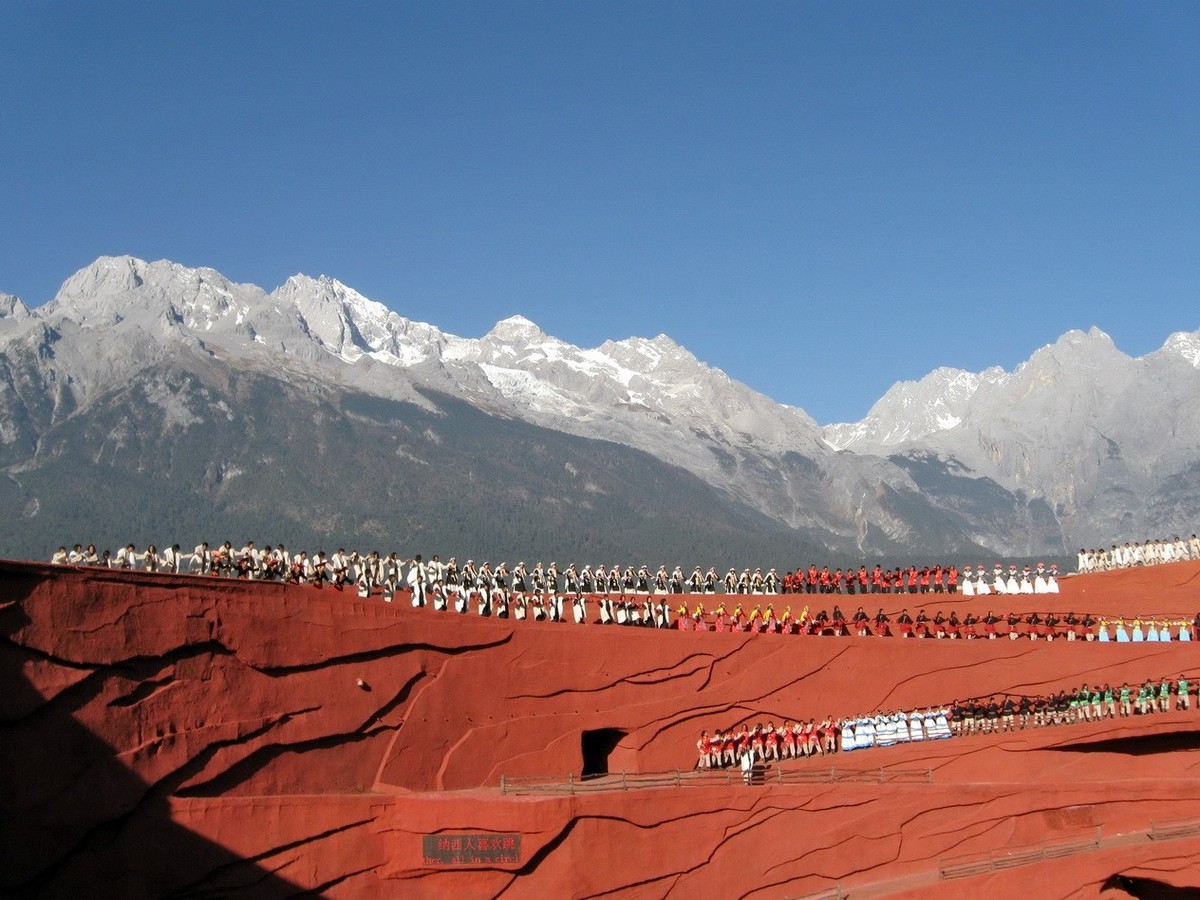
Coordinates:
<point>515,328</point>
<point>11,307</point>
<point>1075,340</point>
<point>305,290</point>
<point>1074,352</point>
<point>349,325</point>
<point>158,295</point>
<point>102,290</point>
<point>517,321</point>
<point>650,355</point>
<point>1185,344</point>
<point>911,410</point>
<point>106,276</point>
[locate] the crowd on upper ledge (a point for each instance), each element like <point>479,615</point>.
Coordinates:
<point>1149,553</point>
<point>628,596</point>
<point>372,571</point>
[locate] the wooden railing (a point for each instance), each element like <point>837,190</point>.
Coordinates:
<point>1166,831</point>
<point>833,893</point>
<point>1009,857</point>
<point>625,781</point>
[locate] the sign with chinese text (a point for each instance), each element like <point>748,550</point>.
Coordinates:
<point>471,849</point>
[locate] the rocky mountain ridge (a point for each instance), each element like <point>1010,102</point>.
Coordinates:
<point>1012,462</point>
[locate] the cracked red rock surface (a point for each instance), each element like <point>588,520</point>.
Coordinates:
<point>172,735</point>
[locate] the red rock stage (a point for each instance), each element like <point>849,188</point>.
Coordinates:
<point>181,736</point>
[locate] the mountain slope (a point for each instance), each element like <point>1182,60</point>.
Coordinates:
<point>253,457</point>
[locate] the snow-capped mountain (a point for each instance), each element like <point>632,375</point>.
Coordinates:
<point>1097,433</point>
<point>123,313</point>
<point>1013,462</point>
<point>911,410</point>
<point>1184,345</point>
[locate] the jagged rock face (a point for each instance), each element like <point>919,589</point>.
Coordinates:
<point>1046,436</point>
<point>169,734</point>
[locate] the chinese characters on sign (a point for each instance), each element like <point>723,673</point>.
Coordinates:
<point>471,849</point>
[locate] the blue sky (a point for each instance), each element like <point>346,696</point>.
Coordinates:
<point>818,198</point>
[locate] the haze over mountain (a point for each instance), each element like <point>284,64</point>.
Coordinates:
<point>153,402</point>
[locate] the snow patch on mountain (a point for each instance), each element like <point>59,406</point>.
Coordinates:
<point>11,307</point>
<point>911,410</point>
<point>1186,345</point>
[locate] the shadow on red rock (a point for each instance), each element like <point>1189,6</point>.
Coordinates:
<point>74,820</point>
<point>1148,888</point>
<point>1138,745</point>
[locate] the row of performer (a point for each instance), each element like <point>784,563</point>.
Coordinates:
<point>730,747</point>
<point>1138,630</point>
<point>654,612</point>
<point>746,745</point>
<point>374,571</point>
<point>1083,704</point>
<point>1013,626</point>
<point>1149,553</point>
<point>516,595</point>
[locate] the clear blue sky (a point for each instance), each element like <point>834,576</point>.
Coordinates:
<point>819,198</point>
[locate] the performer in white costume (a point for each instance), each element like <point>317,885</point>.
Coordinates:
<point>1039,579</point>
<point>1026,584</point>
<point>848,741</point>
<point>941,728</point>
<point>1011,586</point>
<point>201,560</point>
<point>981,585</point>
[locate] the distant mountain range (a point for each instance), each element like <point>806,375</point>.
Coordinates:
<point>154,402</point>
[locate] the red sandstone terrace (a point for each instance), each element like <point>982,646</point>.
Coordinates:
<point>174,735</point>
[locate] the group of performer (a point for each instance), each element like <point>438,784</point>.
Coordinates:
<point>924,580</point>
<point>1152,630</point>
<point>387,573</point>
<point>790,740</point>
<point>375,572</point>
<point>898,727</point>
<point>618,597</point>
<point>745,746</point>
<point>1149,553</point>
<point>1084,704</point>
<point>1034,626</point>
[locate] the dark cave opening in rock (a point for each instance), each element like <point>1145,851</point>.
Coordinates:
<point>597,746</point>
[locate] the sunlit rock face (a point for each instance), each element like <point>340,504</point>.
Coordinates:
<point>172,734</point>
